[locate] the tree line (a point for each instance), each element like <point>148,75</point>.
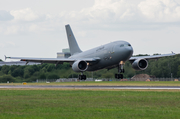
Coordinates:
<point>162,68</point>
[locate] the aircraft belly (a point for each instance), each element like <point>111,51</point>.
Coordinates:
<point>102,64</point>
<point>107,61</point>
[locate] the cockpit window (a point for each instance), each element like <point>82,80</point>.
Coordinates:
<point>122,45</point>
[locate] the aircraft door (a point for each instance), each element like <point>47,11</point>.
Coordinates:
<point>112,50</point>
<point>109,54</point>
<point>106,54</point>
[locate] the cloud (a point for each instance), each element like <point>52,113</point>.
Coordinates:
<point>11,43</point>
<point>2,45</point>
<point>122,11</point>
<point>8,44</point>
<point>124,15</point>
<point>25,21</point>
<point>109,11</point>
<point>13,29</point>
<point>104,14</point>
<point>160,10</point>
<point>5,16</point>
<point>25,15</point>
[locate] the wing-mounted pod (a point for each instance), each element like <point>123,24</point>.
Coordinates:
<point>80,66</point>
<point>140,64</point>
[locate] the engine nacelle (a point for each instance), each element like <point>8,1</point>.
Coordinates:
<point>80,66</point>
<point>140,64</point>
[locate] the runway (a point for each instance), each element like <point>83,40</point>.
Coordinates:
<point>86,87</point>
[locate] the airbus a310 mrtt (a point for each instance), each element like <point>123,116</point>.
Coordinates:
<point>107,56</point>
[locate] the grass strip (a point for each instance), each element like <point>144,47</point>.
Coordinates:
<point>92,104</point>
<point>105,83</point>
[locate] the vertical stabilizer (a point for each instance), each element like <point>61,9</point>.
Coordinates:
<point>74,48</point>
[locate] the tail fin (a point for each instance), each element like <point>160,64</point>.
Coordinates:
<point>74,48</point>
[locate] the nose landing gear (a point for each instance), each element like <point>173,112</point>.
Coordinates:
<point>120,71</point>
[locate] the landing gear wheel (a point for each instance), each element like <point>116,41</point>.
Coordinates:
<point>82,77</point>
<point>119,76</point>
<point>120,70</point>
<point>79,77</point>
<point>123,70</point>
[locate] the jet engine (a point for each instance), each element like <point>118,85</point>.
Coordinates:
<point>80,66</point>
<point>140,64</point>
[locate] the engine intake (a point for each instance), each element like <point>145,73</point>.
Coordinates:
<point>140,64</point>
<point>80,66</point>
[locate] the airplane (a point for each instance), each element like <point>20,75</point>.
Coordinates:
<point>107,56</point>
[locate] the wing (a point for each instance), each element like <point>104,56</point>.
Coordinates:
<point>54,60</point>
<point>152,57</point>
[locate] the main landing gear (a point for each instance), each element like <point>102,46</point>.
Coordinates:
<point>82,77</point>
<point>120,70</point>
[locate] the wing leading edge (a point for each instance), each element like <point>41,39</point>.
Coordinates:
<point>54,60</point>
<point>152,57</point>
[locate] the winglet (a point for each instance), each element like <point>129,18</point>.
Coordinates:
<point>172,52</point>
<point>5,57</point>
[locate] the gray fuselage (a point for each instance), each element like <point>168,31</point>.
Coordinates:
<point>110,55</point>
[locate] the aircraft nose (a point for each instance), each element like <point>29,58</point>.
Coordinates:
<point>129,51</point>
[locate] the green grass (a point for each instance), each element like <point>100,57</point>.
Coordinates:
<point>80,104</point>
<point>113,83</point>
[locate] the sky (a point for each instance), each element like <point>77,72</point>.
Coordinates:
<point>36,28</point>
